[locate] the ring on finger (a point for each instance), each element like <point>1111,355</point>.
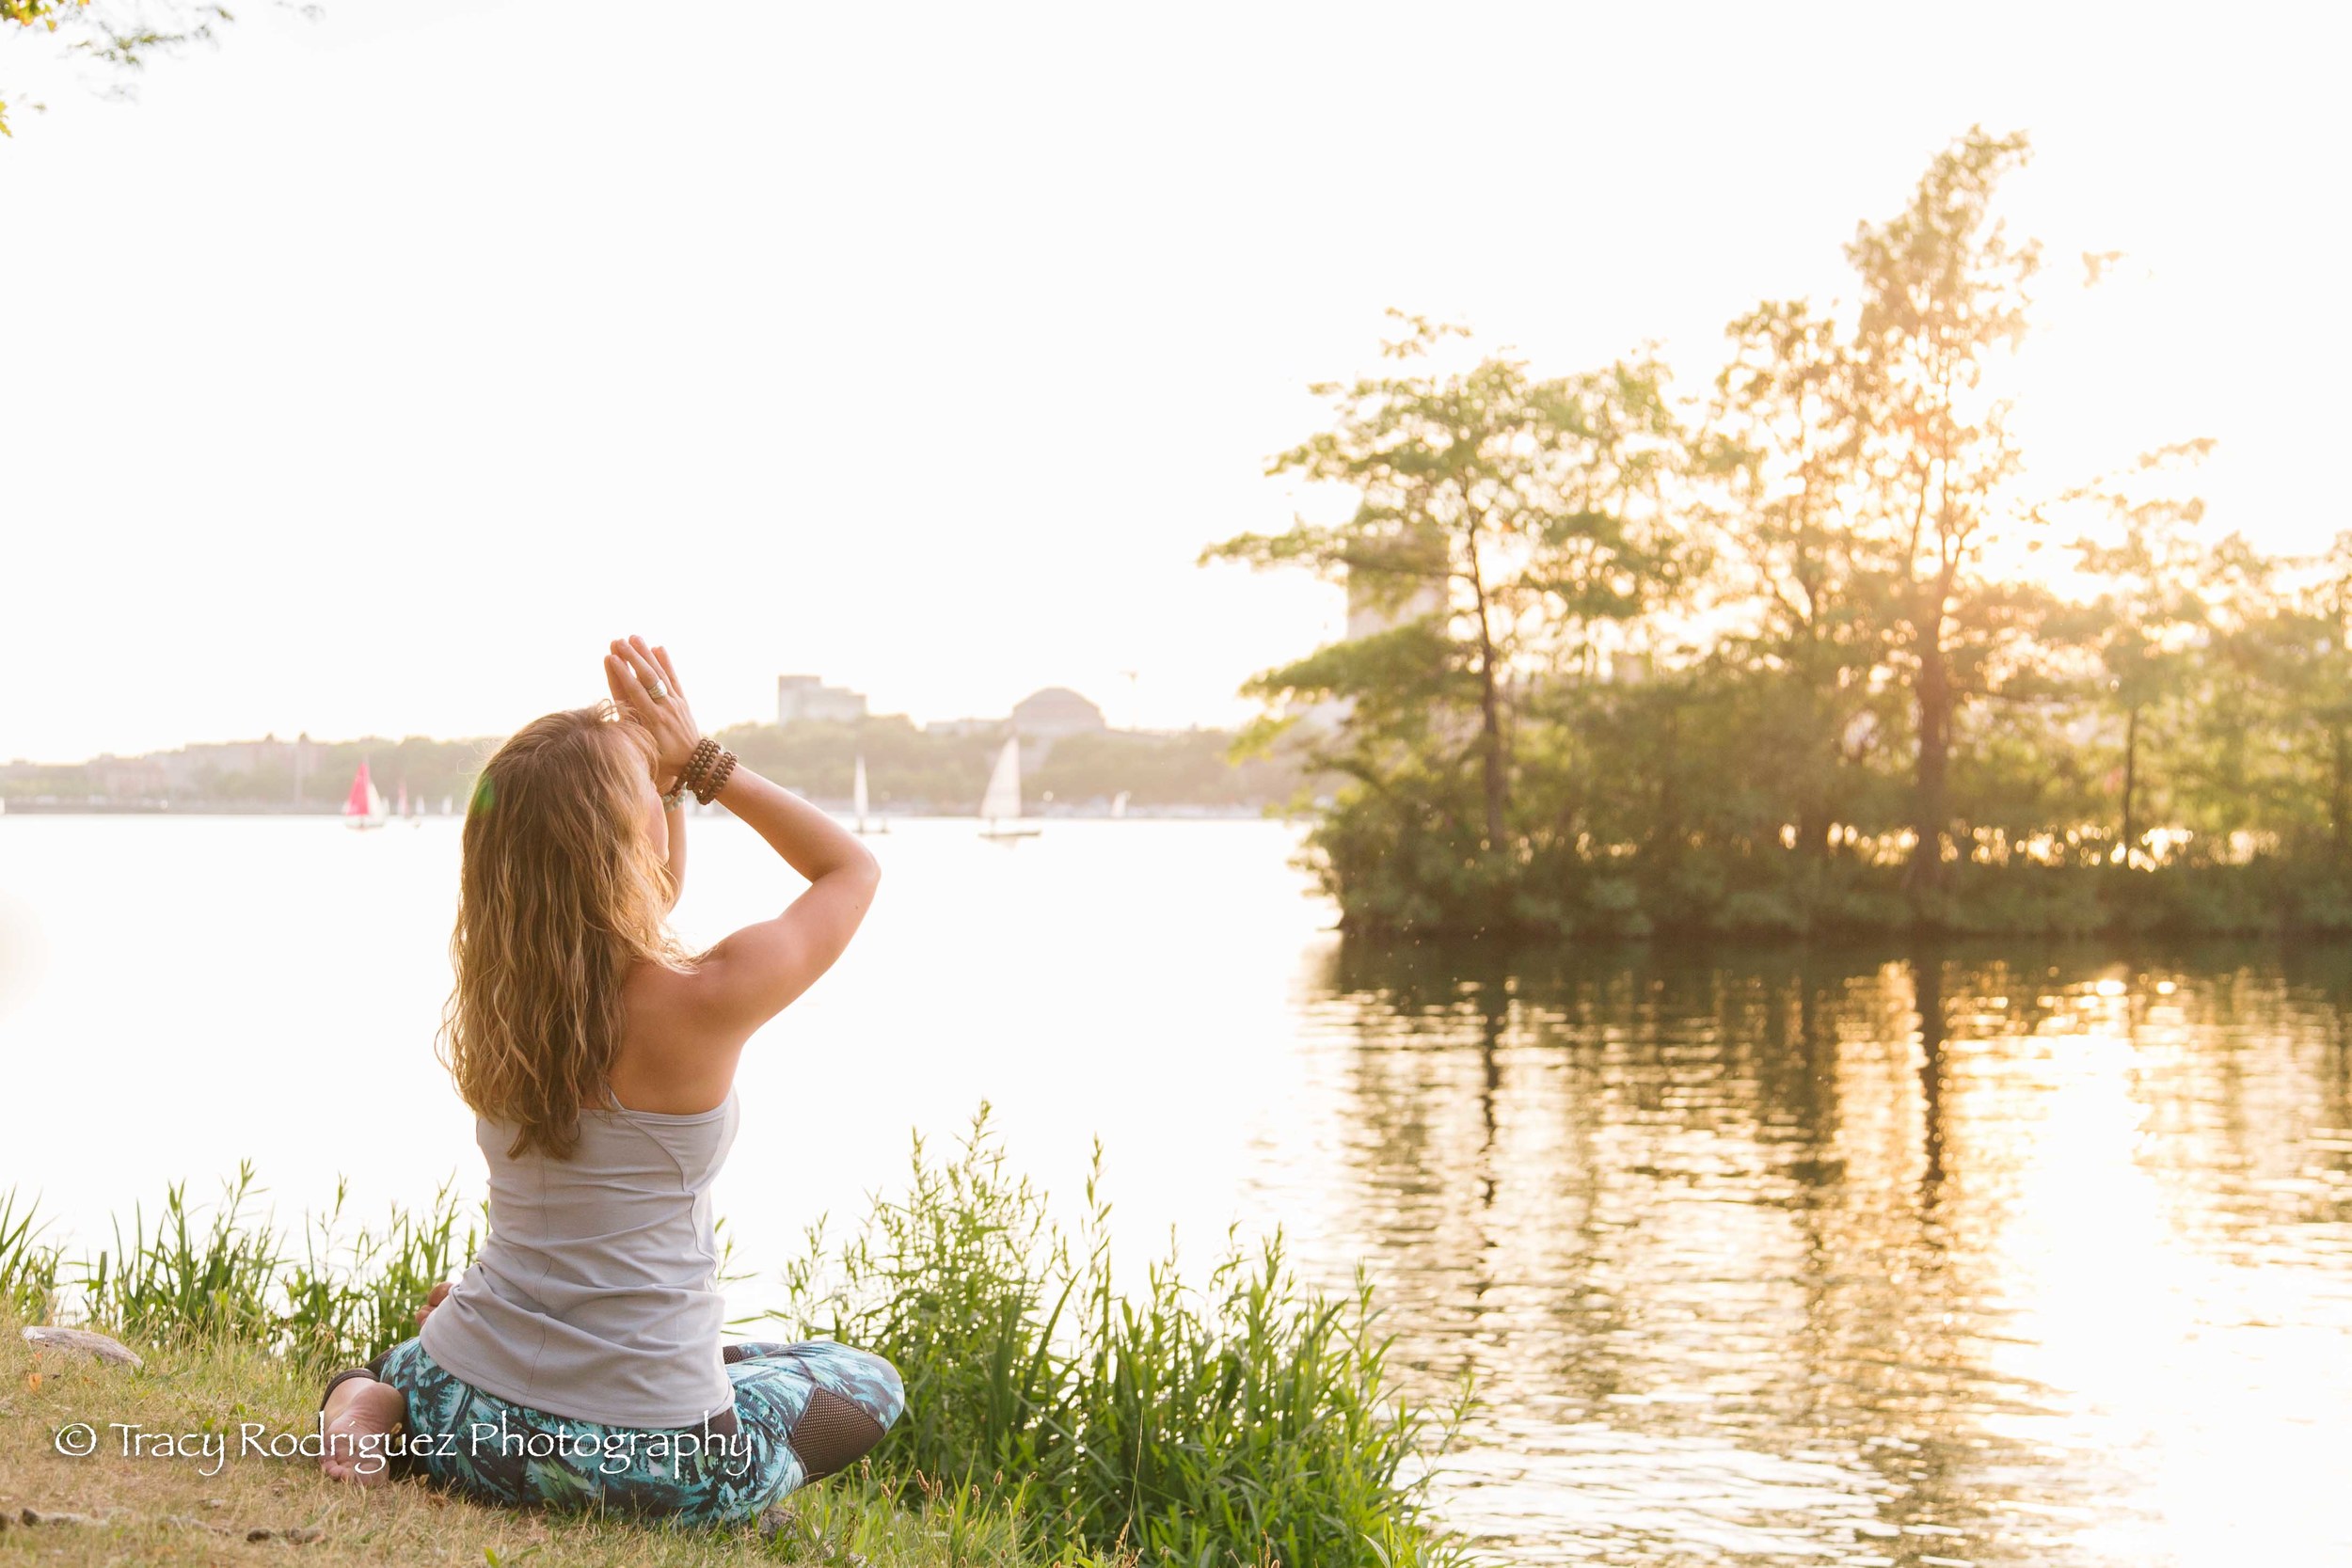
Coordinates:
<point>658,691</point>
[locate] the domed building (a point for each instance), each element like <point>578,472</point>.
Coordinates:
<point>1053,712</point>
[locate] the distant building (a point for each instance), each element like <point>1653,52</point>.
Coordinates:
<point>807,697</point>
<point>195,764</point>
<point>113,777</point>
<point>1046,714</point>
<point>1368,617</point>
<point>1053,712</point>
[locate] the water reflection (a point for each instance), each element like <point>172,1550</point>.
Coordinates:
<point>1924,1258</point>
<point>1987,1255</point>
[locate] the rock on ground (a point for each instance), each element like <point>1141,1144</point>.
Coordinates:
<point>82,1342</point>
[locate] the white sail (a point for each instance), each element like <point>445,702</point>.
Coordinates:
<point>1119,804</point>
<point>375,803</point>
<point>857,788</point>
<point>1002,799</point>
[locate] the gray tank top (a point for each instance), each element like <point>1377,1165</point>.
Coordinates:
<point>597,1294</point>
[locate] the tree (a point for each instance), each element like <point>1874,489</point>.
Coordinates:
<point>1807,668</point>
<point>2290,722</point>
<point>2151,609</point>
<point>1944,287</point>
<point>1783,450</point>
<point>1502,507</point>
<point>123,35</point>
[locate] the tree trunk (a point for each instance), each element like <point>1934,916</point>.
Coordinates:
<point>1666,840</point>
<point>2340,798</point>
<point>1491,737</point>
<point>1813,826</point>
<point>2131,781</point>
<point>1490,707</point>
<point>1931,793</point>
<point>1815,820</point>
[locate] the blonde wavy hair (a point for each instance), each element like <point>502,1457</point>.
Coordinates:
<point>561,892</point>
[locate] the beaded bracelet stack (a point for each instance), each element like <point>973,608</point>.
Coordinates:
<point>707,769</point>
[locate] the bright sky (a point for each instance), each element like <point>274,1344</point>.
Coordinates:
<point>366,375</point>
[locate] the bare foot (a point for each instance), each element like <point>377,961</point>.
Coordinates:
<point>360,1413</point>
<point>441,1291</point>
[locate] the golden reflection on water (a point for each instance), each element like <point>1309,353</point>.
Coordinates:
<point>1954,1257</point>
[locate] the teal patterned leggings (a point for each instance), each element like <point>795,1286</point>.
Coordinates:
<point>801,1412</point>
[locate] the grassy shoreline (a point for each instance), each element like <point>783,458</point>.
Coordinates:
<point>1246,1421</point>
<point>159,1506</point>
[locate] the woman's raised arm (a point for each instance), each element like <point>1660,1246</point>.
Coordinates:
<point>756,973</point>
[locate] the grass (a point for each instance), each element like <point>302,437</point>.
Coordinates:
<point>1243,1422</point>
<point>166,1510</point>
<point>1050,1420</point>
<point>29,1265</point>
<point>230,1274</point>
<point>349,1300</point>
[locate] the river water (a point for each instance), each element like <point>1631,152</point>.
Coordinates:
<point>2016,1256</point>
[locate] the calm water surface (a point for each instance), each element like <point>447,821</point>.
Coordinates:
<point>1992,1257</point>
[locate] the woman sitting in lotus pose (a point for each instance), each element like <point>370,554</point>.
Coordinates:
<point>579,1360</point>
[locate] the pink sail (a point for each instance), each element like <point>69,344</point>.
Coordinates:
<point>355,804</point>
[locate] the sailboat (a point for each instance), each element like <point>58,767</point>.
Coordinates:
<point>1003,799</point>
<point>857,793</point>
<point>448,803</point>
<point>1119,804</point>
<point>363,807</point>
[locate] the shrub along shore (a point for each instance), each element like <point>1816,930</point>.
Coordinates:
<point>1051,1418</point>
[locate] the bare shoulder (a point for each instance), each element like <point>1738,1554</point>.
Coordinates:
<point>658,998</point>
<point>687,1027</point>
<point>676,1056</point>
